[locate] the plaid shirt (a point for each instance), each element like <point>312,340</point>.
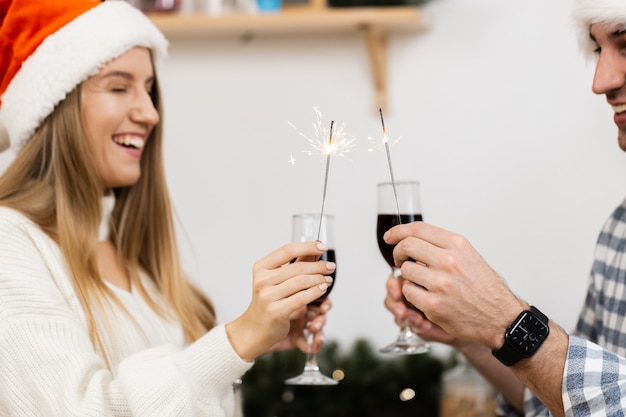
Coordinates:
<point>594,379</point>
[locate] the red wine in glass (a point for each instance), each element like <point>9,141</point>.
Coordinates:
<point>386,222</point>
<point>399,203</point>
<point>328,256</point>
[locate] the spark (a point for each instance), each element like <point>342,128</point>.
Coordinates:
<point>341,143</point>
<point>377,143</point>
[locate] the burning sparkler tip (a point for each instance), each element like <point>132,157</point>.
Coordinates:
<point>328,142</point>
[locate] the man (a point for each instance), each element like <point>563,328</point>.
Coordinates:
<point>538,368</point>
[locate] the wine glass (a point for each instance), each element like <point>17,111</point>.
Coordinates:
<point>399,202</point>
<point>306,228</point>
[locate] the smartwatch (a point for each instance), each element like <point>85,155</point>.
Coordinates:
<point>523,337</point>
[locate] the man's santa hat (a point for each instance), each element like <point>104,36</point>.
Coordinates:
<point>48,47</point>
<point>589,12</point>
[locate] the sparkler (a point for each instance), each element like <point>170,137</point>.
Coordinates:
<point>393,181</point>
<point>327,142</point>
<point>328,154</point>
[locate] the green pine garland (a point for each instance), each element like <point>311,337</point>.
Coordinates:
<point>371,386</point>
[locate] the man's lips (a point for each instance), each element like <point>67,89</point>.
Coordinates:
<point>620,115</point>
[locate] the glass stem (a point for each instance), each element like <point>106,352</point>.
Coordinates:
<point>405,331</point>
<point>310,365</point>
<point>406,334</point>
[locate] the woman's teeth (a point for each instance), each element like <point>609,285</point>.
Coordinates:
<point>131,141</point>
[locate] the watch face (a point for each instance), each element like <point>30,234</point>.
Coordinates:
<point>527,334</point>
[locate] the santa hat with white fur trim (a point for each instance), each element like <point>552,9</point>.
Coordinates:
<point>589,12</point>
<point>48,47</point>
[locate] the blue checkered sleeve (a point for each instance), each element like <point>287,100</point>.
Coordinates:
<point>593,385</point>
<point>594,378</point>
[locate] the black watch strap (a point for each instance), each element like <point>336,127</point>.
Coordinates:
<point>508,354</point>
<point>539,314</point>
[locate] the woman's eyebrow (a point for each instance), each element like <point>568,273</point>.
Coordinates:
<point>122,74</point>
<point>125,75</point>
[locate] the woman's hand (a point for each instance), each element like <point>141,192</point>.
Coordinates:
<point>315,317</point>
<point>281,292</point>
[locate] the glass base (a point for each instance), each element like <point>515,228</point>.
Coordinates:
<point>403,348</point>
<point>407,343</point>
<point>311,378</point>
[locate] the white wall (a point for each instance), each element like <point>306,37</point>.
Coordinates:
<point>497,120</point>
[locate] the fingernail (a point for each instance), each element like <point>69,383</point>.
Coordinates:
<point>323,287</point>
<point>321,246</point>
<point>386,235</point>
<point>329,279</point>
<point>330,266</point>
<point>317,326</point>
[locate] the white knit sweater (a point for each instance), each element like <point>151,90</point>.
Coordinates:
<point>49,367</point>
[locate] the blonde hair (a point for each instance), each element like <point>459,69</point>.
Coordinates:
<point>53,183</point>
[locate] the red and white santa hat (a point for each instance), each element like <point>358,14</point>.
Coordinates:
<point>589,12</point>
<point>48,47</point>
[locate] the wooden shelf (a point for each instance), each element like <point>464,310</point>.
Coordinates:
<point>374,24</point>
<point>291,21</point>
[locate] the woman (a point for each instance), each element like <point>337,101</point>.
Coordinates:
<point>96,316</point>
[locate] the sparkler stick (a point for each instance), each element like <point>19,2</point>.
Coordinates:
<point>327,143</point>
<point>393,181</point>
<point>329,152</point>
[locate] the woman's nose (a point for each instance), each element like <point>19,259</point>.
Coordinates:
<point>144,111</point>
